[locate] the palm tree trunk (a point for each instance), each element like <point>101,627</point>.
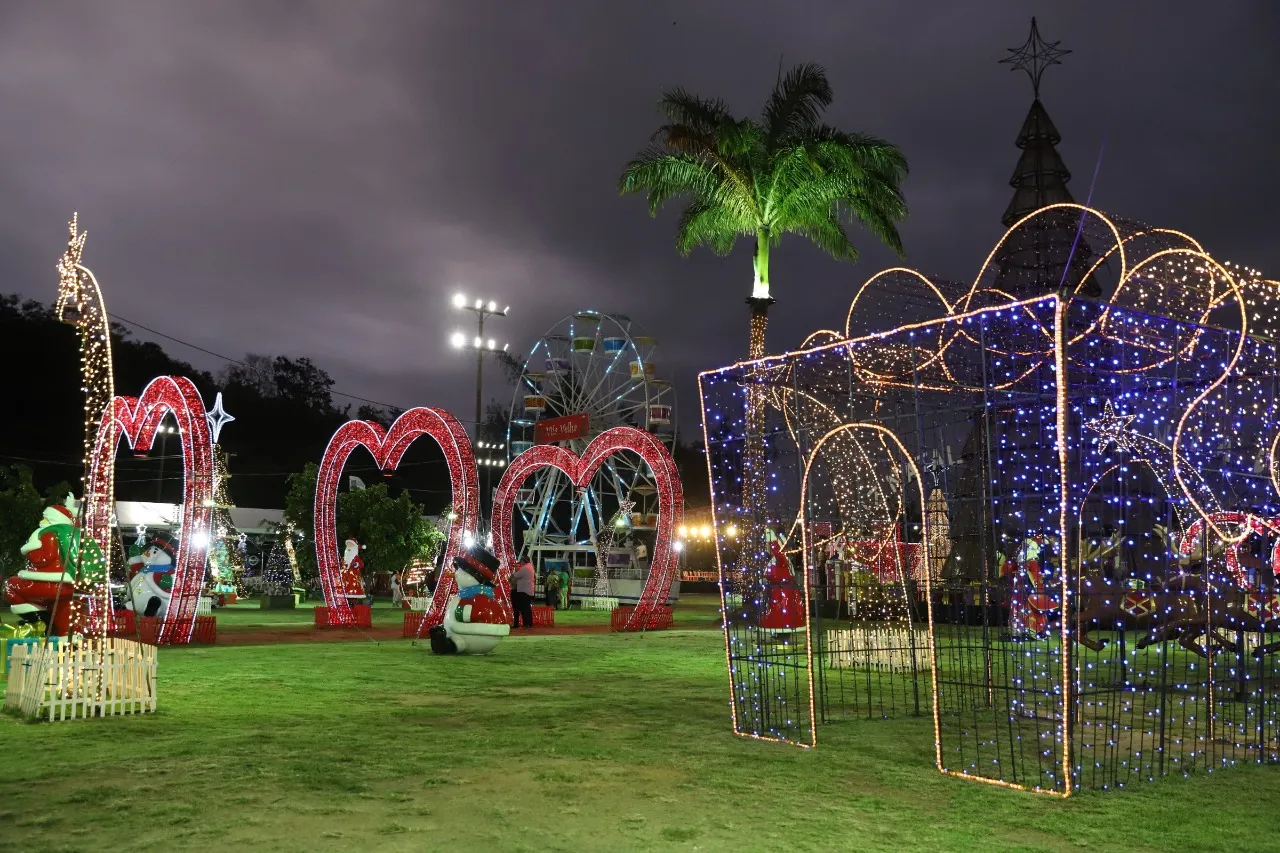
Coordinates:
<point>759,324</point>
<point>755,553</point>
<point>760,299</point>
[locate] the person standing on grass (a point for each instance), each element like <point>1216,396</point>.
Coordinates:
<point>522,581</point>
<point>551,588</point>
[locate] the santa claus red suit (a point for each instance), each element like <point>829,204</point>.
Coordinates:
<point>785,611</point>
<point>59,558</point>
<point>353,573</point>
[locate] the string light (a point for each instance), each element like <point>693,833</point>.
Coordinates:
<point>388,446</point>
<point>580,470</point>
<point>138,420</point>
<point>226,557</point>
<point>604,544</point>
<point>80,304</point>
<point>1122,454</point>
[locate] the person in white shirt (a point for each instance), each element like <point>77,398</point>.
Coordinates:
<point>640,554</point>
<point>522,581</point>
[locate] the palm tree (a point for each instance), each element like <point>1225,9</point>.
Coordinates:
<point>783,173</point>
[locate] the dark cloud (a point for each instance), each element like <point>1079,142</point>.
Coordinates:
<point>318,178</point>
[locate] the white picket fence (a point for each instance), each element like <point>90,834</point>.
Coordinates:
<point>88,679</point>
<point>599,602</point>
<point>889,649</point>
<point>419,604</point>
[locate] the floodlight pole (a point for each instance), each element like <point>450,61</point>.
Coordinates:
<point>482,310</point>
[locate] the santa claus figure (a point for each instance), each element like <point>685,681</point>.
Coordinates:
<point>353,573</point>
<point>475,620</point>
<point>784,613</point>
<point>151,576</point>
<point>1031,606</point>
<point>58,560</point>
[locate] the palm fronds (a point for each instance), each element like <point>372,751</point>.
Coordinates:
<point>784,173</point>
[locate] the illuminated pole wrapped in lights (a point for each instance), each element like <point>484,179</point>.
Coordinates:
<point>580,470</point>
<point>80,304</point>
<point>754,555</point>
<point>388,446</point>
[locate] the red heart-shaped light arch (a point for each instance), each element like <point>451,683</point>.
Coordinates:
<point>388,447</point>
<point>137,419</point>
<point>580,470</point>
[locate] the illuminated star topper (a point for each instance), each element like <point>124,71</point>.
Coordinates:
<point>1111,428</point>
<point>1034,57</point>
<point>75,248</point>
<point>217,418</point>
<point>604,539</point>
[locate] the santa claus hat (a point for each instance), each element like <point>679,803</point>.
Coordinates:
<point>478,563</point>
<point>64,513</point>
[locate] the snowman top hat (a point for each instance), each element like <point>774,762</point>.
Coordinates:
<point>478,563</point>
<point>165,543</point>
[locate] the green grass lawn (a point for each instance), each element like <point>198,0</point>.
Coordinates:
<point>588,742</point>
<point>693,611</point>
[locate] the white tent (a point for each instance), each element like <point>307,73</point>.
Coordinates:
<point>158,516</point>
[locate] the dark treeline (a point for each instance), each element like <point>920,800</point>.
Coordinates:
<point>284,408</point>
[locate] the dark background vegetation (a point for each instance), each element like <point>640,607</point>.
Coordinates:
<point>284,409</point>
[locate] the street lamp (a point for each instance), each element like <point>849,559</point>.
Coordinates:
<point>494,456</point>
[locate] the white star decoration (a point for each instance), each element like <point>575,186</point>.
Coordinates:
<point>217,418</point>
<point>1111,428</point>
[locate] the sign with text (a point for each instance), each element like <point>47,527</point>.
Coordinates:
<point>561,429</point>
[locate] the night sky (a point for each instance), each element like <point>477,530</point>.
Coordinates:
<point>318,178</point>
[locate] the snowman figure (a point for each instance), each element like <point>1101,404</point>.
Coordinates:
<point>151,577</point>
<point>475,620</point>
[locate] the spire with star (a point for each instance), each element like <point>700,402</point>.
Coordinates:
<point>1034,261</point>
<point>1034,57</point>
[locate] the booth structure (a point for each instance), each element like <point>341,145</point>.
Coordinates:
<point>1048,523</point>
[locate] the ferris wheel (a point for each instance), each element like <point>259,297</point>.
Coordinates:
<point>589,373</point>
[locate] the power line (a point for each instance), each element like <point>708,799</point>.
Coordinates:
<point>237,361</point>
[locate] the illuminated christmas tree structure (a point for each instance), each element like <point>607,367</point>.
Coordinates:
<point>937,523</point>
<point>413,579</point>
<point>604,544</point>
<point>278,575</point>
<point>226,550</point>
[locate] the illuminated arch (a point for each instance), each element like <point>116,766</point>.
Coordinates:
<point>388,446</point>
<point>137,420</point>
<point>884,433</point>
<point>580,470</point>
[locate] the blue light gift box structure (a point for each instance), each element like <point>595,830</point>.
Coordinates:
<point>1049,523</point>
